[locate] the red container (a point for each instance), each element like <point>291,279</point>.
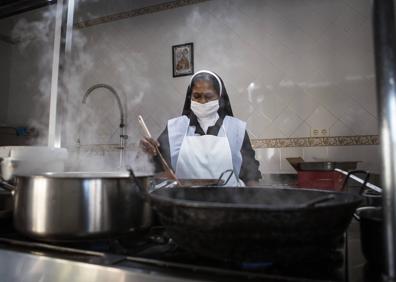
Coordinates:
<point>326,180</point>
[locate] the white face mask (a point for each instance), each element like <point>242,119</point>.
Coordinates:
<point>205,110</point>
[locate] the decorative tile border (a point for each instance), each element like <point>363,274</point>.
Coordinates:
<point>263,143</point>
<point>137,12</point>
<point>316,141</point>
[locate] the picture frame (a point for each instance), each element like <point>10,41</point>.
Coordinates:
<point>183,59</point>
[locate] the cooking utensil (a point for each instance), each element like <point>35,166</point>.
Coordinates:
<point>252,224</point>
<point>350,174</point>
<point>165,165</point>
<point>371,193</point>
<point>79,205</point>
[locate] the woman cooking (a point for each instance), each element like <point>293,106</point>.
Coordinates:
<point>207,140</point>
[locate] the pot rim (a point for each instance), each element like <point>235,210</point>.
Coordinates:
<point>162,199</point>
<point>364,213</point>
<point>87,174</point>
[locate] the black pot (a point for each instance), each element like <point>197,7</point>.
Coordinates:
<point>372,198</point>
<point>371,235</point>
<point>6,209</point>
<point>254,224</point>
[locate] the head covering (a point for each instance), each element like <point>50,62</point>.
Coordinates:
<point>224,101</point>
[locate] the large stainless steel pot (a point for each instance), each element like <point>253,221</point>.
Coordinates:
<point>75,206</point>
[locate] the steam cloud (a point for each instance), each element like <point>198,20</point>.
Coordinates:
<point>96,122</point>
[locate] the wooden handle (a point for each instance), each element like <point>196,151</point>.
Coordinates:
<point>163,161</point>
<point>144,127</point>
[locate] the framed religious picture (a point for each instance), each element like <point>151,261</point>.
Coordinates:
<point>183,59</point>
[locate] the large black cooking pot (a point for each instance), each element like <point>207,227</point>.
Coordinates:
<point>372,235</point>
<point>252,224</point>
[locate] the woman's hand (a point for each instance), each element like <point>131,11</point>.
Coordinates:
<point>252,183</point>
<point>149,145</point>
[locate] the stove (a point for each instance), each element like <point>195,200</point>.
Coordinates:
<point>154,256</point>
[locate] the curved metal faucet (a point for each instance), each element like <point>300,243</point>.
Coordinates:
<point>111,89</point>
<point>123,137</point>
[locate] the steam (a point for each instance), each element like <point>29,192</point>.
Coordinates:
<point>28,33</point>
<point>34,40</point>
<point>96,122</point>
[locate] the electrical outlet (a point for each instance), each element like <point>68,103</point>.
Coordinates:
<point>319,132</point>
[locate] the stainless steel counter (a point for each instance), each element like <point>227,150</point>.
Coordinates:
<point>16,266</point>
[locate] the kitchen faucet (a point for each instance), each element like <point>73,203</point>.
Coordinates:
<point>123,137</point>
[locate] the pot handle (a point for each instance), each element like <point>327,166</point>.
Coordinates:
<point>141,191</point>
<point>230,171</point>
<point>356,213</point>
<point>356,216</point>
<point>6,186</point>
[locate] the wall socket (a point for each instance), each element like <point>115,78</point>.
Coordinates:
<point>319,132</point>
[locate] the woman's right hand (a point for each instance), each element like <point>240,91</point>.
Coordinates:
<point>149,145</point>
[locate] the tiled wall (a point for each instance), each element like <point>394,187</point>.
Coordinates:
<point>273,160</point>
<point>290,67</point>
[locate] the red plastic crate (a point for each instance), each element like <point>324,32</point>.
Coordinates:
<point>325,180</point>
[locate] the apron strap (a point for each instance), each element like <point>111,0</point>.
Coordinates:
<point>177,128</point>
<point>235,131</point>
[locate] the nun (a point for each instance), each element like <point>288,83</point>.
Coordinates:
<point>207,139</point>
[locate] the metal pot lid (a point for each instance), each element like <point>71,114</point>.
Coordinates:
<point>88,174</point>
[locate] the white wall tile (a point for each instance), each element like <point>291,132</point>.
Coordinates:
<point>302,103</point>
<point>321,119</point>
<point>362,90</point>
<point>257,124</point>
<point>316,154</point>
<point>269,160</point>
<point>289,153</point>
<point>287,122</point>
<point>303,130</point>
<point>354,117</point>
<point>368,156</point>
<point>272,131</point>
<point>270,103</point>
<point>340,129</point>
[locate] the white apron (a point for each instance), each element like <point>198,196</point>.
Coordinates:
<point>205,157</point>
